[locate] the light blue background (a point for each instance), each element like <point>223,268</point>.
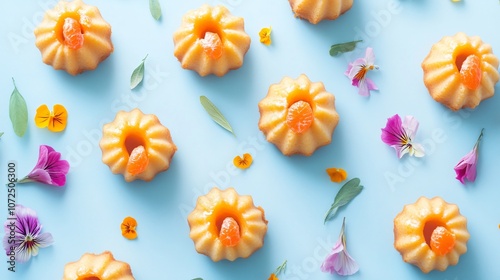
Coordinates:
<point>85,215</point>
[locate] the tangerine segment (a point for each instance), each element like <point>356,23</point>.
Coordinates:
<point>212,45</point>
<point>72,33</point>
<point>229,232</point>
<point>299,117</point>
<point>137,161</point>
<point>442,241</point>
<point>470,72</point>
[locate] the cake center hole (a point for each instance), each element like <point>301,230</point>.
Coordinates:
<point>133,141</point>
<point>429,228</point>
<point>461,57</point>
<point>89,278</point>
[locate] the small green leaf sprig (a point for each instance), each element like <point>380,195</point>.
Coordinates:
<point>341,48</point>
<point>155,9</point>
<point>18,112</point>
<point>138,74</point>
<point>215,114</point>
<point>347,193</point>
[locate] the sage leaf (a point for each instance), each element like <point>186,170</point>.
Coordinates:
<point>198,278</point>
<point>215,114</point>
<point>348,191</point>
<point>338,49</point>
<point>138,74</point>
<point>1,134</point>
<point>155,9</point>
<point>18,112</point>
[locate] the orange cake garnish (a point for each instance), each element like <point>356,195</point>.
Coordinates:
<point>299,116</point>
<point>138,160</point>
<point>442,241</point>
<point>229,232</point>
<point>470,72</point>
<point>212,45</point>
<point>72,33</point>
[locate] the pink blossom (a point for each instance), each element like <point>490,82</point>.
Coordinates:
<point>466,168</point>
<point>399,135</point>
<point>50,168</point>
<point>339,261</point>
<point>357,71</point>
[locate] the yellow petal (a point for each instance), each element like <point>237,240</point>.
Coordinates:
<point>42,116</point>
<point>337,175</point>
<point>59,119</point>
<point>244,162</point>
<point>265,35</point>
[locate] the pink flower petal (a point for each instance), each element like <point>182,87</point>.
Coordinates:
<point>369,56</point>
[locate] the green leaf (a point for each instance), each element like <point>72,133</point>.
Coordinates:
<point>18,112</point>
<point>215,114</point>
<point>343,47</point>
<point>1,134</point>
<point>280,268</point>
<point>138,74</point>
<point>198,278</point>
<point>348,191</point>
<point>155,9</point>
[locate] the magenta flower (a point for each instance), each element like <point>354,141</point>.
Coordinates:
<point>23,236</point>
<point>466,168</point>
<point>339,261</point>
<point>50,168</point>
<point>357,70</point>
<point>399,135</point>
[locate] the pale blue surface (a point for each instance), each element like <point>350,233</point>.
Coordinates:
<point>85,215</point>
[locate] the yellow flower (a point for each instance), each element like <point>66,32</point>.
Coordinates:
<point>337,175</point>
<point>273,277</point>
<point>265,36</point>
<point>244,162</point>
<point>55,121</point>
<point>128,228</point>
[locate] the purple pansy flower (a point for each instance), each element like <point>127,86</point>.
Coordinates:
<point>357,70</point>
<point>50,168</point>
<point>399,135</point>
<point>339,261</point>
<point>466,168</point>
<point>23,236</point>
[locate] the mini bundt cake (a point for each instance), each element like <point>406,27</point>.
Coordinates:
<point>74,37</point>
<point>317,10</point>
<point>211,41</point>
<point>136,145</point>
<point>225,225</point>
<point>298,116</point>
<point>431,234</point>
<point>460,71</point>
<point>97,266</point>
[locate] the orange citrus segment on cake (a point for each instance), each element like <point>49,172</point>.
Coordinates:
<point>470,72</point>
<point>299,117</point>
<point>442,241</point>
<point>229,232</point>
<point>212,45</point>
<point>138,160</point>
<point>72,33</point>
